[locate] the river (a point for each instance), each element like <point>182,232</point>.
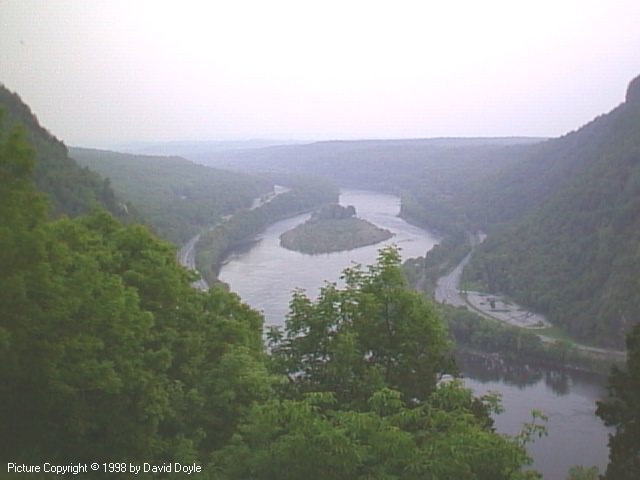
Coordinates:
<point>264,275</point>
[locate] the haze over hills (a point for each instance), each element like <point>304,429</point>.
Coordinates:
<point>562,217</point>
<point>343,159</point>
<point>472,132</point>
<point>194,148</point>
<point>72,190</point>
<point>575,256</point>
<point>504,186</point>
<point>177,197</point>
<point>107,351</point>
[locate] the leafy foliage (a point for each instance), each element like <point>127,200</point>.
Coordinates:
<point>575,258</point>
<point>106,352</point>
<point>362,399</point>
<point>314,438</point>
<point>72,190</point>
<point>356,340</point>
<point>622,411</point>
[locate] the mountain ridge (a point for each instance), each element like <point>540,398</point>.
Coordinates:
<point>573,255</point>
<point>72,189</point>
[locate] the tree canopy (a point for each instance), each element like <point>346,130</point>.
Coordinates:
<point>621,410</point>
<point>108,354</point>
<point>375,332</point>
<point>361,397</point>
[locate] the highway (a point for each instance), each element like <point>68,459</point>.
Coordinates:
<point>447,291</point>
<point>447,286</point>
<point>187,258</point>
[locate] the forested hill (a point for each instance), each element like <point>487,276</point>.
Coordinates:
<point>109,358</point>
<point>576,256</point>
<point>399,165</point>
<point>541,170</point>
<point>72,190</point>
<point>176,196</point>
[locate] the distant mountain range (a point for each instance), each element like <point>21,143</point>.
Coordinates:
<point>189,148</point>
<point>563,215</point>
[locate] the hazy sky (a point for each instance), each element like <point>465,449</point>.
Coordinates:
<point>108,71</point>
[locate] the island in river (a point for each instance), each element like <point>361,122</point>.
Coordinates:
<point>333,228</point>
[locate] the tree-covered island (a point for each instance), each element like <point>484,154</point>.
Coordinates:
<point>333,228</point>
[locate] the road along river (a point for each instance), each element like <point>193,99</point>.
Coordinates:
<point>265,274</point>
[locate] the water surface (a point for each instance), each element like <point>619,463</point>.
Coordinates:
<point>265,274</point>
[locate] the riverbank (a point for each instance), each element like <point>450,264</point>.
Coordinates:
<point>555,349</point>
<point>216,244</point>
<point>267,266</point>
<point>473,333</point>
<point>265,274</point>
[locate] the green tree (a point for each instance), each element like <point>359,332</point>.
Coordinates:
<point>373,333</point>
<point>361,399</point>
<point>583,473</point>
<point>622,411</point>
<point>106,352</point>
<point>315,438</point>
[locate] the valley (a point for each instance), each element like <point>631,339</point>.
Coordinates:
<point>560,219</point>
<point>265,274</point>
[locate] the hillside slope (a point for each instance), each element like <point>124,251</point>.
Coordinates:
<point>576,256</point>
<point>176,196</point>
<point>72,190</point>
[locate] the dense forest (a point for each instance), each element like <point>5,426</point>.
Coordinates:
<point>107,353</point>
<point>177,197</point>
<point>575,256</point>
<point>72,190</point>
<point>561,214</point>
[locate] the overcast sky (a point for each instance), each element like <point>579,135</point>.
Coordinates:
<point>103,72</point>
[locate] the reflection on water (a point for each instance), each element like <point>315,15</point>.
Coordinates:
<point>265,275</point>
<point>575,435</point>
<point>494,368</point>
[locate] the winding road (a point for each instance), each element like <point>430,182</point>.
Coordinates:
<point>187,253</point>
<point>448,292</point>
<point>187,258</point>
<point>447,286</point>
